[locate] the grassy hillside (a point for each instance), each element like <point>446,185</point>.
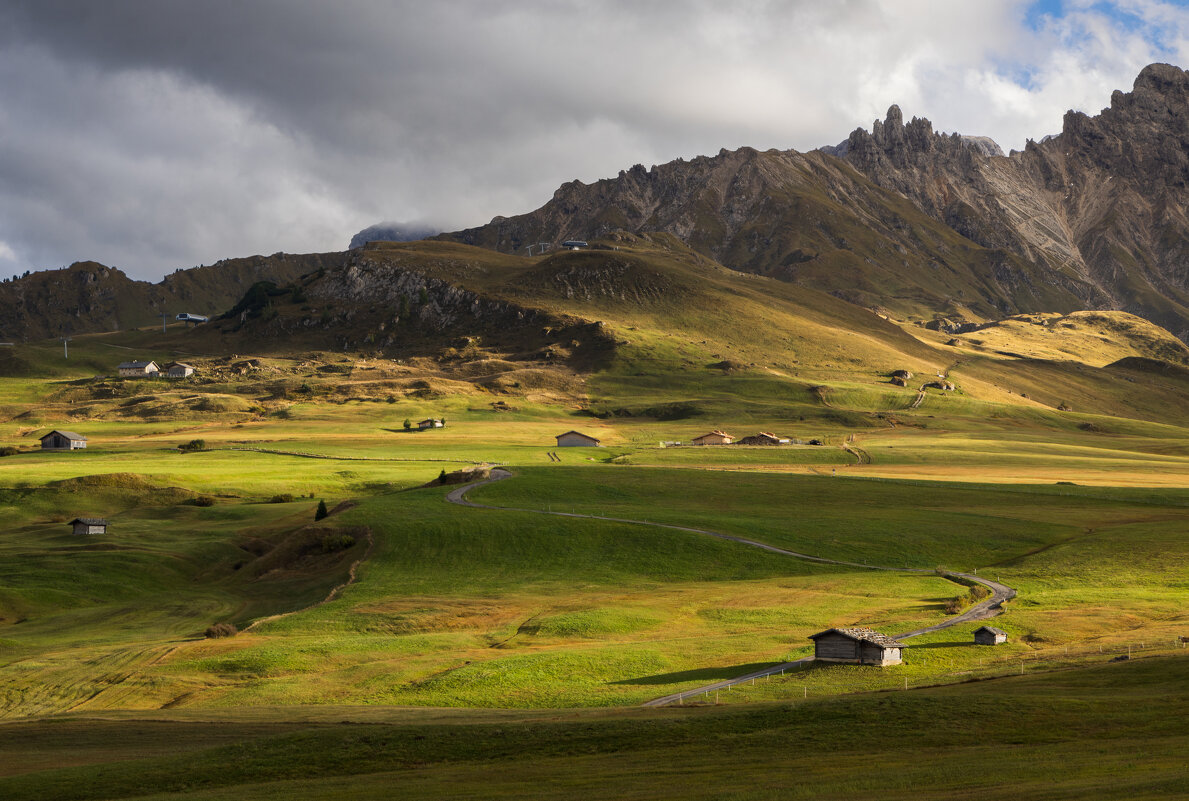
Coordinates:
<point>1062,470</point>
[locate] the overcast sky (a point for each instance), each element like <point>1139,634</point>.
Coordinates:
<point>156,134</point>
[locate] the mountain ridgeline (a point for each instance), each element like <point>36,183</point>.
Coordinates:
<point>928,225</point>
<point>88,297</point>
<point>913,224</point>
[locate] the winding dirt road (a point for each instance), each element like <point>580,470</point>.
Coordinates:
<point>989,607</point>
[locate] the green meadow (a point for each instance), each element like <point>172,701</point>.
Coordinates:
<point>406,642</point>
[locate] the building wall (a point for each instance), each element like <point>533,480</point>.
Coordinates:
<point>989,638</point>
<point>712,439</point>
<point>835,646</point>
<point>83,528</point>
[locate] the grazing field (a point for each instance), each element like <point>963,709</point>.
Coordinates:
<point>399,605</point>
<point>1109,731</point>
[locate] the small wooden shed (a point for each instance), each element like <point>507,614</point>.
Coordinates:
<point>431,422</point>
<point>58,440</point>
<point>989,635</point>
<point>179,370</point>
<point>764,438</point>
<point>576,439</point>
<point>89,525</point>
<point>856,646</point>
<point>715,437</point>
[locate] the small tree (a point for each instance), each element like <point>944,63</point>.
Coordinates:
<point>442,476</point>
<point>322,512</point>
<point>408,424</point>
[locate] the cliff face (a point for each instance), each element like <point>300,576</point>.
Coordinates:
<point>1104,201</point>
<point>925,223</point>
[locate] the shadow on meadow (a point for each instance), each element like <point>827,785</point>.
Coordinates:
<point>701,674</point>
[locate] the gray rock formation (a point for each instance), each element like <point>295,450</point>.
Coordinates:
<point>393,232</point>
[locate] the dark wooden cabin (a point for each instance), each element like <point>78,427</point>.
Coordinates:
<point>856,646</point>
<point>988,635</point>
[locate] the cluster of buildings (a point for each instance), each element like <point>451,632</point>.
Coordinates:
<point>860,645</point>
<point>140,369</point>
<point>572,439</point>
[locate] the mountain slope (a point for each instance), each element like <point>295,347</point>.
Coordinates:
<point>926,224</point>
<point>90,297</point>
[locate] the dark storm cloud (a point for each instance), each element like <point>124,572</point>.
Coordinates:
<point>154,134</point>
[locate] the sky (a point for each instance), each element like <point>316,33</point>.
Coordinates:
<point>152,135</point>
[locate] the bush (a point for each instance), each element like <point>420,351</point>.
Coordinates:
<point>8,450</point>
<point>221,630</point>
<point>203,500</point>
<point>284,497</point>
<point>337,542</point>
<point>193,445</point>
<point>321,512</point>
<point>408,424</point>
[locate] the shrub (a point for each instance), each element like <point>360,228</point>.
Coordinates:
<point>221,630</point>
<point>442,476</point>
<point>193,445</point>
<point>337,542</point>
<point>321,512</point>
<point>203,500</point>
<point>284,497</point>
<point>408,424</point>
<point>955,605</point>
<point>8,450</point>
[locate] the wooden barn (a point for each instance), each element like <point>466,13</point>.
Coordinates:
<point>856,646</point>
<point>138,370</point>
<point>431,422</point>
<point>764,438</point>
<point>576,439</point>
<point>89,525</point>
<point>58,440</point>
<point>989,635</point>
<point>715,437</point>
<point>179,370</point>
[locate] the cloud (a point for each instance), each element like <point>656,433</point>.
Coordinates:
<point>154,134</point>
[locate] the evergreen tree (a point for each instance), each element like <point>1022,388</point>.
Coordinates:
<point>321,513</point>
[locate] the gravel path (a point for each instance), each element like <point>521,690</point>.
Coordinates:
<point>989,607</point>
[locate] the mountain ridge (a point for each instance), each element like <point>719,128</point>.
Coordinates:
<point>924,223</point>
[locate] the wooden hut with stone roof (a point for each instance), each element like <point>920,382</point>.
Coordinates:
<point>989,635</point>
<point>856,646</point>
